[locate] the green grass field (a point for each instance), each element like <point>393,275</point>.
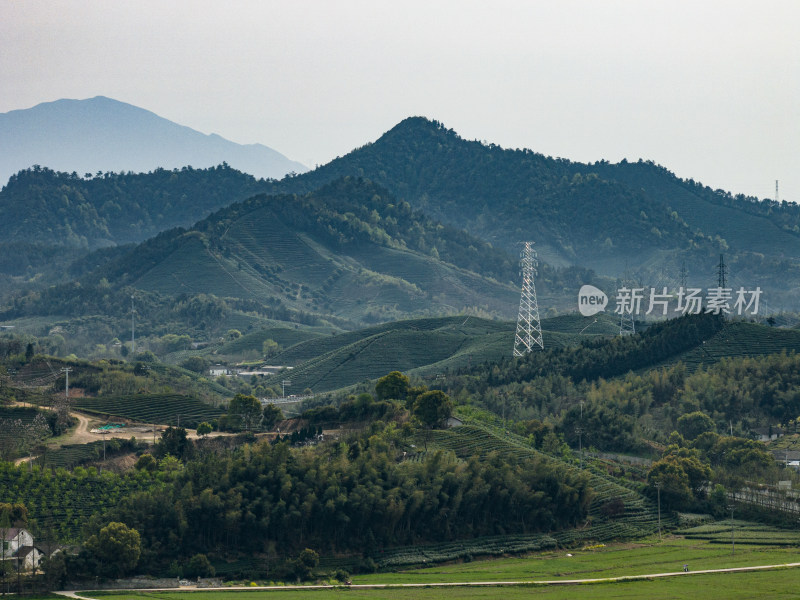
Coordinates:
<point>612,561</point>
<point>768,585</point>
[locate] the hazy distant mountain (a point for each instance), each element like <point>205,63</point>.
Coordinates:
<point>101,134</point>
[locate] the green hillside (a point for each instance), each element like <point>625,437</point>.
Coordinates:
<point>739,339</point>
<point>422,346</point>
<point>346,252</point>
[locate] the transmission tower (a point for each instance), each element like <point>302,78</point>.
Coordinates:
<point>529,329</point>
<point>777,197</point>
<point>627,325</point>
<point>722,272</point>
<point>684,275</point>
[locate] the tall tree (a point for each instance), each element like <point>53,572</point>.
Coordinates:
<point>393,386</point>
<point>245,410</point>
<point>116,547</point>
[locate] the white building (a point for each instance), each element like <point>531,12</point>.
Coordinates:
<point>18,549</point>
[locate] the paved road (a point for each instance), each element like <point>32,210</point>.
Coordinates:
<point>84,595</point>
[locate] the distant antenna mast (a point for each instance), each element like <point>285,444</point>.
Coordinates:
<point>722,272</point>
<point>777,197</point>
<point>529,328</point>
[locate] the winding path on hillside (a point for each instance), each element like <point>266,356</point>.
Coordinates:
<point>85,594</point>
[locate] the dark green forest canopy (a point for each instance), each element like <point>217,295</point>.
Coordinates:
<point>114,208</point>
<point>337,500</point>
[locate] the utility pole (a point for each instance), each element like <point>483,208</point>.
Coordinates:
<point>579,431</point>
<point>285,382</point>
<point>658,491</point>
<point>66,371</point>
<point>733,544</point>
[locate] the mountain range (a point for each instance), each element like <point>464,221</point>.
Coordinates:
<point>104,135</point>
<point>419,222</point>
<point>347,251</point>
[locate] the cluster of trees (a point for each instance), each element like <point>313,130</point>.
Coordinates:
<point>335,499</point>
<point>685,471</point>
<point>394,396</point>
<point>299,436</point>
<point>22,429</point>
<point>245,413</point>
<point>734,395</point>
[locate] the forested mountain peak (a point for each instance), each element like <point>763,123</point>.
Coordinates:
<point>637,217</point>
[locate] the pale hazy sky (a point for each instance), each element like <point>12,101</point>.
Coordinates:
<point>710,90</point>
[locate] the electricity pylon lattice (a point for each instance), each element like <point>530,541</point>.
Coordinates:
<point>529,329</point>
<point>722,272</point>
<point>627,324</point>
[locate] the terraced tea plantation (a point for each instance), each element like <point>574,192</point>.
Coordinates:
<point>26,415</point>
<point>164,409</point>
<point>422,347</point>
<point>743,532</point>
<point>71,455</point>
<point>739,339</point>
<point>638,516</point>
